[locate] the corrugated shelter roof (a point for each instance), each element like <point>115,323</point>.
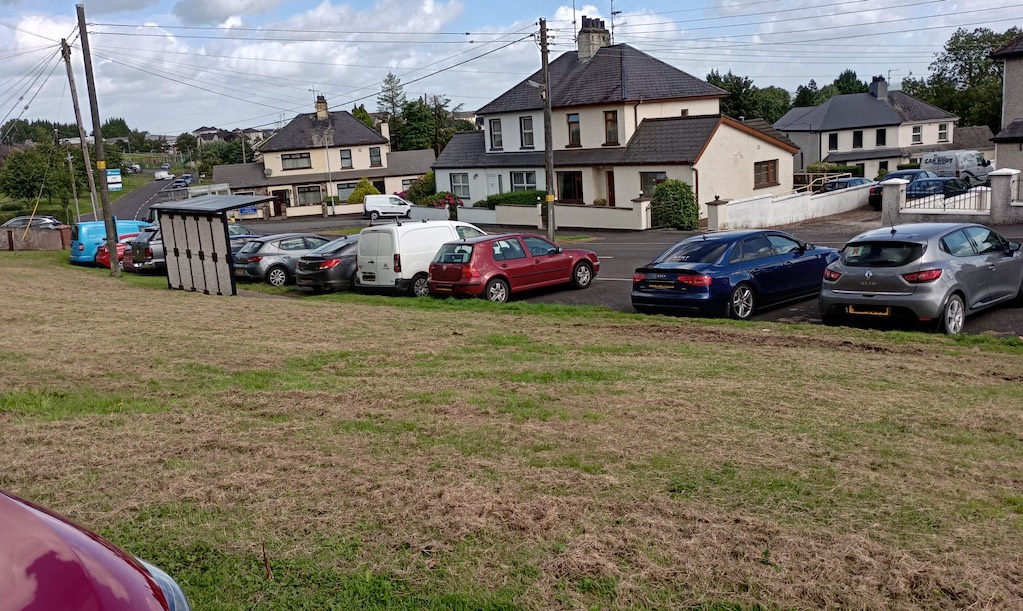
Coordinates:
<point>615,74</point>
<point>306,131</point>
<point>1009,50</point>
<point>212,203</point>
<point>856,110</point>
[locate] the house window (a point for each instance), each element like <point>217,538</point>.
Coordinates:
<point>526,131</point>
<point>374,157</point>
<point>881,137</point>
<point>570,186</point>
<point>345,190</point>
<point>610,127</point>
<point>574,134</point>
<point>882,165</point>
<point>308,196</point>
<point>858,139</point>
<point>943,132</point>
<point>296,161</point>
<point>685,112</point>
<point>346,158</point>
<point>649,180</point>
<point>523,181</point>
<point>496,142</point>
<point>406,183</point>
<point>765,174</point>
<point>918,134</point>
<point>460,185</point>
<point>832,142</point>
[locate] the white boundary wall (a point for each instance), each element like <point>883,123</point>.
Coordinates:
<point>774,210</point>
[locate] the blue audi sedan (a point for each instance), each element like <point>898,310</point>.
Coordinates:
<point>730,273</point>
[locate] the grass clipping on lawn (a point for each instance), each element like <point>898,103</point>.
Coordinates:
<point>529,460</point>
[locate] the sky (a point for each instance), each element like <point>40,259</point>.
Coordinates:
<point>173,66</point>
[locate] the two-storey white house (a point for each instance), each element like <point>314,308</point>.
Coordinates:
<point>1009,140</point>
<point>622,121</point>
<point>876,130</point>
<point>320,155</point>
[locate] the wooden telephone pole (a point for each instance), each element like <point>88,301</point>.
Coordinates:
<point>66,52</point>
<point>548,136</point>
<point>101,158</point>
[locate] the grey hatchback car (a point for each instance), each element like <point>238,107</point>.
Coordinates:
<point>273,258</point>
<point>936,273</point>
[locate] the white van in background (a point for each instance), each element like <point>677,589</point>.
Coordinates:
<point>969,166</point>
<point>376,206</point>
<point>397,257</point>
<point>163,175</point>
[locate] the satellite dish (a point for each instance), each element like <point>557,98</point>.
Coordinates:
<point>267,172</point>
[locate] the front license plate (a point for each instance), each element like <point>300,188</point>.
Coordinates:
<point>867,310</point>
<point>661,285</point>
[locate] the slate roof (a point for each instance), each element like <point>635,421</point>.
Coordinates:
<point>306,131</point>
<point>1009,50</point>
<point>614,74</point>
<point>856,110</point>
<point>251,175</point>
<point>978,137</point>
<point>669,140</point>
<point>1012,133</point>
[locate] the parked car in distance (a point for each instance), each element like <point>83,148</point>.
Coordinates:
<point>273,259</point>
<point>35,222</point>
<point>495,267</point>
<point>397,256</point>
<point>52,563</point>
<point>967,165</point>
<point>330,267</point>
<point>103,253</point>
<point>239,234</point>
<point>874,196</point>
<point>87,236</point>
<point>165,166</point>
<point>187,178</point>
<point>944,186</point>
<point>844,183</point>
<point>134,168</point>
<point>376,206</point>
<point>932,273</point>
<point>178,183</point>
<point>147,252</point>
<point>731,273</point>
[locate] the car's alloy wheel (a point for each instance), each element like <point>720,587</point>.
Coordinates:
<point>582,276</point>
<point>277,276</point>
<point>374,215</point>
<point>420,286</point>
<point>497,290</point>
<point>953,315</point>
<point>741,303</point>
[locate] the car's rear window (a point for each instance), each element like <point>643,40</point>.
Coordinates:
<point>454,253</point>
<point>335,245</point>
<point>251,247</point>
<point>881,254</point>
<point>696,251</point>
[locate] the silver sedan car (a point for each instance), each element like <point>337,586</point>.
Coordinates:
<point>273,258</point>
<point>934,273</point>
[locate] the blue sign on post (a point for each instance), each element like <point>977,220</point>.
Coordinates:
<point>114,180</point>
<point>247,210</point>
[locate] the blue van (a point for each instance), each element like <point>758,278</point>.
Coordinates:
<point>88,236</point>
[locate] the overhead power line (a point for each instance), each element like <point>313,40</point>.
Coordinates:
<point>298,31</point>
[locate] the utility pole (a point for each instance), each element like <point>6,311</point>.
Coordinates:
<point>101,158</point>
<point>548,136</point>
<point>66,52</point>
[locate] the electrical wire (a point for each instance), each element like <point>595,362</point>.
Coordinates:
<point>32,99</point>
<point>299,31</point>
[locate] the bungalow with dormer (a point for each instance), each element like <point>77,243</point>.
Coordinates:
<point>622,121</point>
<point>319,158</point>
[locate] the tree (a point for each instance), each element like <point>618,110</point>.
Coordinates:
<point>360,113</point>
<point>417,128</point>
<point>115,127</point>
<point>774,102</point>
<point>847,82</point>
<point>742,95</point>
<point>187,144</point>
<point>391,100</point>
<point>807,95</point>
<point>39,170</point>
<point>364,188</point>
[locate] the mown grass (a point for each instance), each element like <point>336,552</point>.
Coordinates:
<point>395,453</point>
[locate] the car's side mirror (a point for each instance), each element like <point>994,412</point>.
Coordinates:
<point>809,246</point>
<point>1013,247</point>
<point>557,250</point>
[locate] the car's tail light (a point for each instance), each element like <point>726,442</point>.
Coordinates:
<point>929,275</point>
<point>831,275</point>
<point>638,277</point>
<point>81,246</point>
<point>255,259</point>
<point>469,273</point>
<point>149,253</point>
<point>695,279</point>
<point>329,263</point>
<point>397,263</point>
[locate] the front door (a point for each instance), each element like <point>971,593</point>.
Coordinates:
<point>610,188</point>
<point>282,199</point>
<point>495,184</point>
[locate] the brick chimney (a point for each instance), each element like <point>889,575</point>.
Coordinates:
<point>321,108</point>
<point>879,87</point>
<point>592,37</point>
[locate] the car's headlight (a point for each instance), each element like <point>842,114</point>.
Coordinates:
<point>176,599</point>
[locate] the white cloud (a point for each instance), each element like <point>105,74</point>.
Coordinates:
<point>105,7</point>
<point>201,12</point>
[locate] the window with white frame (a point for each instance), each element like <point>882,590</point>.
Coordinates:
<point>374,157</point>
<point>310,195</point>
<point>406,183</point>
<point>918,134</point>
<point>496,141</point>
<point>296,161</point>
<point>523,181</point>
<point>346,158</point>
<point>460,185</point>
<point>526,131</point>
<point>943,132</point>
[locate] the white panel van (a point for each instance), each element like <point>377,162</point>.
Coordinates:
<point>376,206</point>
<point>397,257</point>
<point>969,166</point>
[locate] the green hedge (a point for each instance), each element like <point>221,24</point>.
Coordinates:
<point>515,198</point>
<point>674,205</point>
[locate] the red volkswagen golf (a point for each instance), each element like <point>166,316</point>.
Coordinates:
<point>496,266</point>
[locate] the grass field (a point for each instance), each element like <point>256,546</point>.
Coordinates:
<point>389,453</point>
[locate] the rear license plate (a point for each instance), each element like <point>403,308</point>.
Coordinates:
<point>869,310</point>
<point>239,272</point>
<point>442,287</point>
<point>369,277</point>
<point>661,285</point>
<point>303,280</point>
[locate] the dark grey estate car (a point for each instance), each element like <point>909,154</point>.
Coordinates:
<point>935,273</point>
<point>273,258</point>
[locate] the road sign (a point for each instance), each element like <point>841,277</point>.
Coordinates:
<point>114,180</point>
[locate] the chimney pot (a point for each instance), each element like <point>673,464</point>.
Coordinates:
<point>321,108</point>
<point>592,37</point>
<point>879,87</point>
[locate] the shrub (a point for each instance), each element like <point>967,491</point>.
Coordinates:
<point>908,166</point>
<point>423,187</point>
<point>515,198</point>
<point>600,201</point>
<point>444,199</point>
<point>674,205</point>
<point>362,189</point>
<point>12,207</point>
<point>881,173</point>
